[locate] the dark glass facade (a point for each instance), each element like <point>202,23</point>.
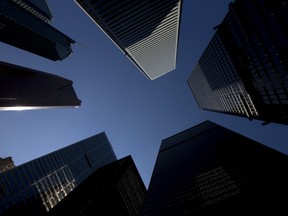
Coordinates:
<point>28,22</point>
<point>145,31</point>
<point>244,67</point>
<point>37,186</point>
<point>114,189</point>
<point>210,170</point>
<point>26,89</point>
<point>40,7</point>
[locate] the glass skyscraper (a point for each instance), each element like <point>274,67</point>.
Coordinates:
<point>29,23</point>
<point>244,71</point>
<point>22,88</point>
<point>145,31</point>
<point>114,189</point>
<point>37,186</point>
<point>211,170</point>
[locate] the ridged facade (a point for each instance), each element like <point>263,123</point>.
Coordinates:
<point>145,31</point>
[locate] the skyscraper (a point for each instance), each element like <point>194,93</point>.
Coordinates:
<point>145,31</point>
<point>114,189</point>
<point>25,24</point>
<point>25,89</point>
<point>37,186</point>
<point>244,71</point>
<point>211,170</point>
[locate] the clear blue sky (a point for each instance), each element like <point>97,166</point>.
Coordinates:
<point>136,113</point>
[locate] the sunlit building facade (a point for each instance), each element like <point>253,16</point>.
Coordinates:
<point>23,88</point>
<point>25,24</point>
<point>145,31</point>
<point>244,71</point>
<point>35,187</point>
<point>114,189</point>
<point>211,170</point>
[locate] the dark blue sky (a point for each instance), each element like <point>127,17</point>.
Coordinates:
<point>136,113</point>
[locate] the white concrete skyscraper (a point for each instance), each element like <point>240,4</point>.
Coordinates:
<point>145,31</point>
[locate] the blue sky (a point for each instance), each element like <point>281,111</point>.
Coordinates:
<point>135,113</point>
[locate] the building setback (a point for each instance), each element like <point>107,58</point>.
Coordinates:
<point>244,69</point>
<point>26,89</point>
<point>29,23</point>
<point>211,170</point>
<point>145,31</point>
<point>114,189</point>
<point>35,187</point>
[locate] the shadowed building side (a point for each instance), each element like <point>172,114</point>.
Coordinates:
<point>35,187</point>
<point>37,7</point>
<point>23,88</point>
<point>211,170</point>
<point>244,71</point>
<point>145,31</point>
<point>25,25</point>
<point>115,189</point>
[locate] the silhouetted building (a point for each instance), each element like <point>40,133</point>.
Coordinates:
<point>145,31</point>
<point>210,170</point>
<point>25,89</point>
<point>6,164</point>
<point>35,187</point>
<point>114,189</point>
<point>244,69</point>
<point>25,24</point>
